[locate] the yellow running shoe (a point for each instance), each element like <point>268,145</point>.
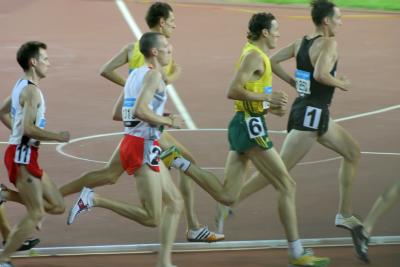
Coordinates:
<point>309,260</point>
<point>168,156</point>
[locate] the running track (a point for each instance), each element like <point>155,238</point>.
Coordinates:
<point>84,34</point>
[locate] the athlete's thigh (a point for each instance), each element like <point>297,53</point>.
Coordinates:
<point>296,145</point>
<point>339,140</point>
<point>167,140</point>
<point>149,188</point>
<point>270,165</point>
<point>30,190</point>
<point>50,190</point>
<point>236,166</point>
<point>169,190</point>
<point>114,163</point>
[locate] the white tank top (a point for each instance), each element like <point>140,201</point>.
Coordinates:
<point>17,132</point>
<point>132,89</point>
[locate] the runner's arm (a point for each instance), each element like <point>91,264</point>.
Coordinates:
<point>151,83</point>
<point>325,63</point>
<point>282,55</point>
<point>120,59</point>
<point>117,110</point>
<point>251,64</point>
<point>5,112</point>
<point>29,100</point>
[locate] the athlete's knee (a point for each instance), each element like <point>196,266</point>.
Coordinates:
<point>354,153</point>
<point>110,174</point>
<point>57,208</point>
<point>177,204</point>
<point>287,186</point>
<point>153,218</point>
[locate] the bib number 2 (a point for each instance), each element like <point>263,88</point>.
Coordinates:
<point>255,127</point>
<point>312,117</point>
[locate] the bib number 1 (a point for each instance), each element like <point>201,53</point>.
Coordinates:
<point>255,127</point>
<point>312,117</point>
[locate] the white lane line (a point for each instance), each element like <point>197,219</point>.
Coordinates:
<point>368,113</point>
<point>171,90</point>
<point>193,247</point>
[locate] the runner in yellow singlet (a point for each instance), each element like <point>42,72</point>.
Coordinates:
<point>251,89</point>
<point>159,18</point>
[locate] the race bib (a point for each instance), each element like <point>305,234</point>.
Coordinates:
<point>303,82</point>
<point>127,111</point>
<point>267,90</point>
<point>154,155</point>
<point>255,127</point>
<point>312,117</point>
<point>22,154</point>
<point>42,123</point>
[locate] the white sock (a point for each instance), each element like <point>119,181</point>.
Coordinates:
<point>296,249</point>
<point>181,163</point>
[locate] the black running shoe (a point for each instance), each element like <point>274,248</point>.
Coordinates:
<point>360,240</point>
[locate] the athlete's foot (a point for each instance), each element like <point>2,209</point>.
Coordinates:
<point>223,213</point>
<point>28,244</point>
<point>84,203</point>
<point>347,222</point>
<point>361,241</point>
<point>307,259</point>
<point>203,235</point>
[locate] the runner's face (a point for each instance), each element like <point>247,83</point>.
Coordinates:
<point>41,63</point>
<point>164,51</point>
<point>273,35</point>
<point>168,25</point>
<point>334,22</point>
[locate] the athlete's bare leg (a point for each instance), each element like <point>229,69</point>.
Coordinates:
<point>185,183</point>
<point>382,205</point>
<point>109,174</point>
<point>154,189</point>
<point>340,141</point>
<point>5,227</point>
<point>31,191</point>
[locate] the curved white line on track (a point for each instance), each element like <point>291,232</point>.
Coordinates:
<point>170,88</point>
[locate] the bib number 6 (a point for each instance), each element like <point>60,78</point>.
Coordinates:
<point>255,127</point>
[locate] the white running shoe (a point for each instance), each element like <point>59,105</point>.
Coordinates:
<point>203,235</point>
<point>84,203</point>
<point>347,223</point>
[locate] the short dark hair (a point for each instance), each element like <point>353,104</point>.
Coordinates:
<point>27,51</point>
<point>257,23</point>
<point>157,11</point>
<point>320,10</point>
<point>148,41</point>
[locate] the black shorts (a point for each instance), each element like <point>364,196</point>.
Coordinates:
<point>309,115</point>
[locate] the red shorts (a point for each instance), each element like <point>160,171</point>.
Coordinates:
<point>29,159</point>
<point>135,151</point>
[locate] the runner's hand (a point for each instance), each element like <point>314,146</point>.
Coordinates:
<point>278,99</point>
<point>345,83</point>
<point>63,136</point>
<point>176,121</point>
